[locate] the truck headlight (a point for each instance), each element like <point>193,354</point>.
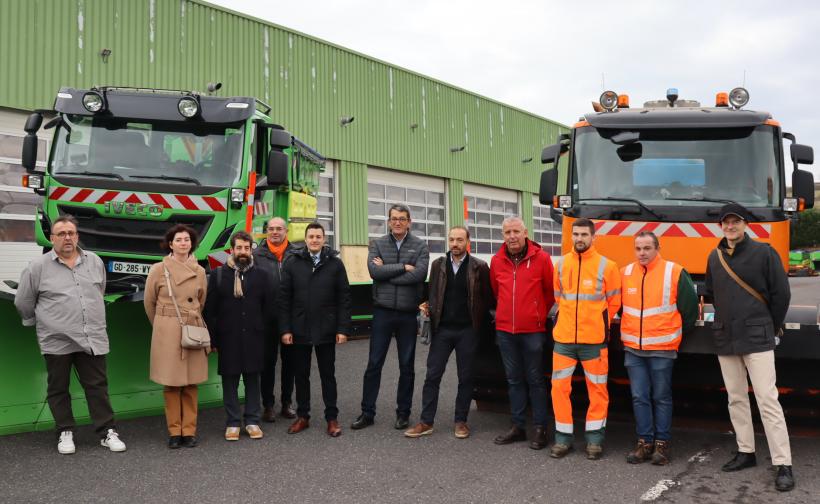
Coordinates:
<point>608,100</point>
<point>237,197</point>
<point>738,97</point>
<point>188,107</point>
<point>93,101</point>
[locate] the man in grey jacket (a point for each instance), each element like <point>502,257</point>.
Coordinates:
<point>397,263</point>
<point>61,293</point>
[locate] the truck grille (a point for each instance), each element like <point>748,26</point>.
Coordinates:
<point>111,234</point>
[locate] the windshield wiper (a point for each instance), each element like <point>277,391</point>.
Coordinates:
<point>168,177</point>
<point>712,200</point>
<point>631,200</point>
<point>91,174</point>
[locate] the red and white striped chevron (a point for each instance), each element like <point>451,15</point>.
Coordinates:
<point>101,196</point>
<point>676,229</point>
<point>218,258</point>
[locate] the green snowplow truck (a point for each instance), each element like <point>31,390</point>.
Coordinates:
<point>128,164</point>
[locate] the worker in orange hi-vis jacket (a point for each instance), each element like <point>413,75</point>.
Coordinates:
<point>588,292</point>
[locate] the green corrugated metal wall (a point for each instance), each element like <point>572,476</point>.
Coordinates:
<point>455,203</point>
<point>403,120</point>
<point>353,214</point>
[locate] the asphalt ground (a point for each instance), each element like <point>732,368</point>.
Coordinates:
<point>379,465</point>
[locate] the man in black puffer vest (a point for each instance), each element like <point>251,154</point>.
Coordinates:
<point>751,297</point>
<point>397,263</point>
<point>460,300</point>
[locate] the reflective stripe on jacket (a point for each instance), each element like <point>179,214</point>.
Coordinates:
<point>651,320</point>
<point>588,291</point>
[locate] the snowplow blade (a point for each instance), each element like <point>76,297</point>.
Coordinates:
<point>23,404</point>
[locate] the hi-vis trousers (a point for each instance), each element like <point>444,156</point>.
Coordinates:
<point>594,359</point>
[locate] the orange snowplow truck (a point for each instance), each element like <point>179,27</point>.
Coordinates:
<point>668,167</point>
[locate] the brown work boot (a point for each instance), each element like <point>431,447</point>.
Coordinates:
<point>513,435</point>
<point>269,415</point>
<point>299,425</point>
<point>641,453</point>
<point>420,429</point>
<point>539,438</point>
<point>662,453</point>
<point>594,451</point>
<point>559,450</point>
<point>462,431</point>
<point>333,429</point>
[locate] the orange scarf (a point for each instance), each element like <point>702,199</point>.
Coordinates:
<point>278,250</point>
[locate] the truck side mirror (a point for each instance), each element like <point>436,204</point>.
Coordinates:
<point>278,166</point>
<point>29,155</point>
<point>549,183</point>
<point>551,153</point>
<point>803,184</point>
<point>802,154</point>
<point>280,139</point>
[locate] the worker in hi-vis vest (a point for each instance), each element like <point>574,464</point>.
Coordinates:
<point>659,305</point>
<point>588,292</point>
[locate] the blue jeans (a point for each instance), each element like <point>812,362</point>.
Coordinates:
<point>523,358</point>
<point>650,379</point>
<point>387,323</point>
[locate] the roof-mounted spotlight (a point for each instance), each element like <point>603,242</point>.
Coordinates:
<point>188,107</point>
<point>345,120</point>
<point>738,97</point>
<point>94,102</point>
<point>608,100</point>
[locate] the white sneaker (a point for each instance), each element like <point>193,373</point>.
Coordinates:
<point>112,441</point>
<point>66,444</point>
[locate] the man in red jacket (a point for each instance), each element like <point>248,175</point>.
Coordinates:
<point>521,278</point>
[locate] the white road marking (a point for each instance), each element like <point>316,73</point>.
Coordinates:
<point>700,457</point>
<point>660,487</point>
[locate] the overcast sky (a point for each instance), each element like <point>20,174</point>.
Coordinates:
<point>548,57</point>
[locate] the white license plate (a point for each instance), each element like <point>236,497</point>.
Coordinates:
<point>128,268</point>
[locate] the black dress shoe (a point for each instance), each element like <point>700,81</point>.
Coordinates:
<point>402,423</point>
<point>362,422</point>
<point>511,436</point>
<point>539,440</point>
<point>287,411</point>
<point>174,442</point>
<point>785,480</point>
<point>741,461</point>
<point>189,441</point>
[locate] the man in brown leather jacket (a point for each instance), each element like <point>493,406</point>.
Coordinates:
<point>460,300</point>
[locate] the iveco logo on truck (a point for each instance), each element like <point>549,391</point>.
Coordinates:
<point>119,207</point>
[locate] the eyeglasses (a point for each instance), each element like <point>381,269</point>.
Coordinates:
<point>399,219</point>
<point>66,234</point>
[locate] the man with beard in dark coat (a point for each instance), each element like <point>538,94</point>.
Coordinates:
<point>238,314</point>
<point>271,255</point>
<point>314,315</point>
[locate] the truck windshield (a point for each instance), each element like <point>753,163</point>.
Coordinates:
<point>678,167</point>
<point>149,151</point>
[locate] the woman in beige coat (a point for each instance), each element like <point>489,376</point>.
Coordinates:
<point>180,370</point>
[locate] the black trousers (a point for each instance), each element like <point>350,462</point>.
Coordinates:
<point>465,342</point>
<point>326,360</point>
<point>274,346</point>
<point>230,398</point>
<point>91,371</point>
